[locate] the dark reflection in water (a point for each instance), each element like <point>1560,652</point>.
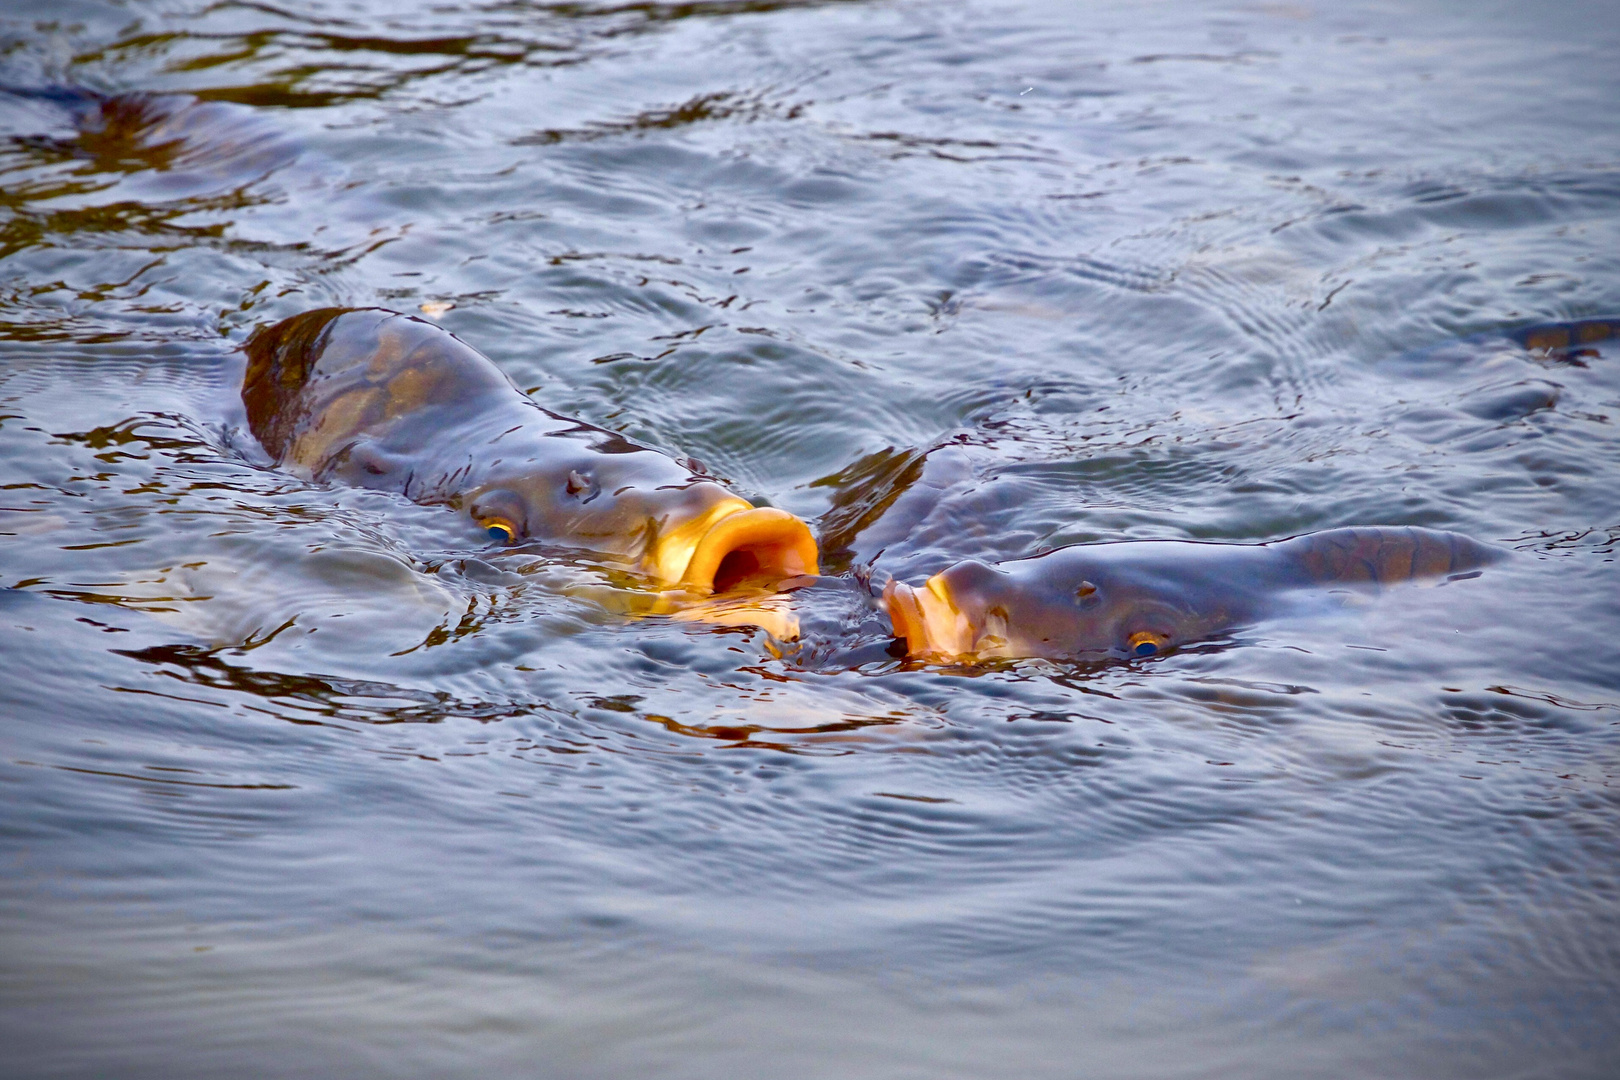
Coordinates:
<point>346,699</point>
<point>308,780</point>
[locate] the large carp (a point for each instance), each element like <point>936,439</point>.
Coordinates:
<point>1139,598</point>
<point>387,401</point>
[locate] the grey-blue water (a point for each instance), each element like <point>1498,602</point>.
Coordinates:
<point>302,780</point>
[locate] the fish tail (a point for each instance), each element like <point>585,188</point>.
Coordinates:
<point>1383,556</point>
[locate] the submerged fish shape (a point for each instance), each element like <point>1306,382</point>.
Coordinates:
<point>380,400</point>
<point>146,147</point>
<point>1566,340</point>
<point>1139,598</point>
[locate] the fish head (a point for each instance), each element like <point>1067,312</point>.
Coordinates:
<point>1069,603</point>
<point>675,528</point>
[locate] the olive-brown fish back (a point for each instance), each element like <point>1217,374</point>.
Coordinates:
<point>1384,556</point>
<point>280,359</point>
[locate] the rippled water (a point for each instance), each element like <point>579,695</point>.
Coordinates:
<point>308,781</point>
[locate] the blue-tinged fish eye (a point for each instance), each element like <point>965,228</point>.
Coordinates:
<point>1146,643</point>
<point>500,532</point>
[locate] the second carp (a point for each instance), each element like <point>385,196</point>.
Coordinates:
<point>1139,598</point>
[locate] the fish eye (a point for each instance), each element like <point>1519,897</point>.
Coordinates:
<point>500,513</point>
<point>1146,643</point>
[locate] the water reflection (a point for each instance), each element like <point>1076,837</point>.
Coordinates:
<point>313,60</point>
<point>946,281</point>
<point>724,105</point>
<point>309,699</point>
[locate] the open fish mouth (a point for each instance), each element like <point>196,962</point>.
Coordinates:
<point>929,621</point>
<point>737,544</point>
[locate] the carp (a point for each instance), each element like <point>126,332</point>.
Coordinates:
<point>380,400</point>
<point>1139,598</point>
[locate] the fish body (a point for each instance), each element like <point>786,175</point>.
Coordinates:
<point>380,400</point>
<point>1139,598</point>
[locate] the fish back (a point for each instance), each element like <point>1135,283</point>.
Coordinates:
<point>1383,556</point>
<point>279,361</point>
<point>318,382</point>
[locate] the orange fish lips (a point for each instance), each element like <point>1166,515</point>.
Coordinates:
<point>762,544</point>
<point>910,626</point>
<point>931,624</point>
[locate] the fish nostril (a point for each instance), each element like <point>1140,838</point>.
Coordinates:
<point>582,486</point>
<point>1086,595</point>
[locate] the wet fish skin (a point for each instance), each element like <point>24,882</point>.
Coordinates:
<point>1139,598</point>
<point>1381,556</point>
<point>380,400</point>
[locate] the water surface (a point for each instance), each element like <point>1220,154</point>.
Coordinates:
<point>305,780</point>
